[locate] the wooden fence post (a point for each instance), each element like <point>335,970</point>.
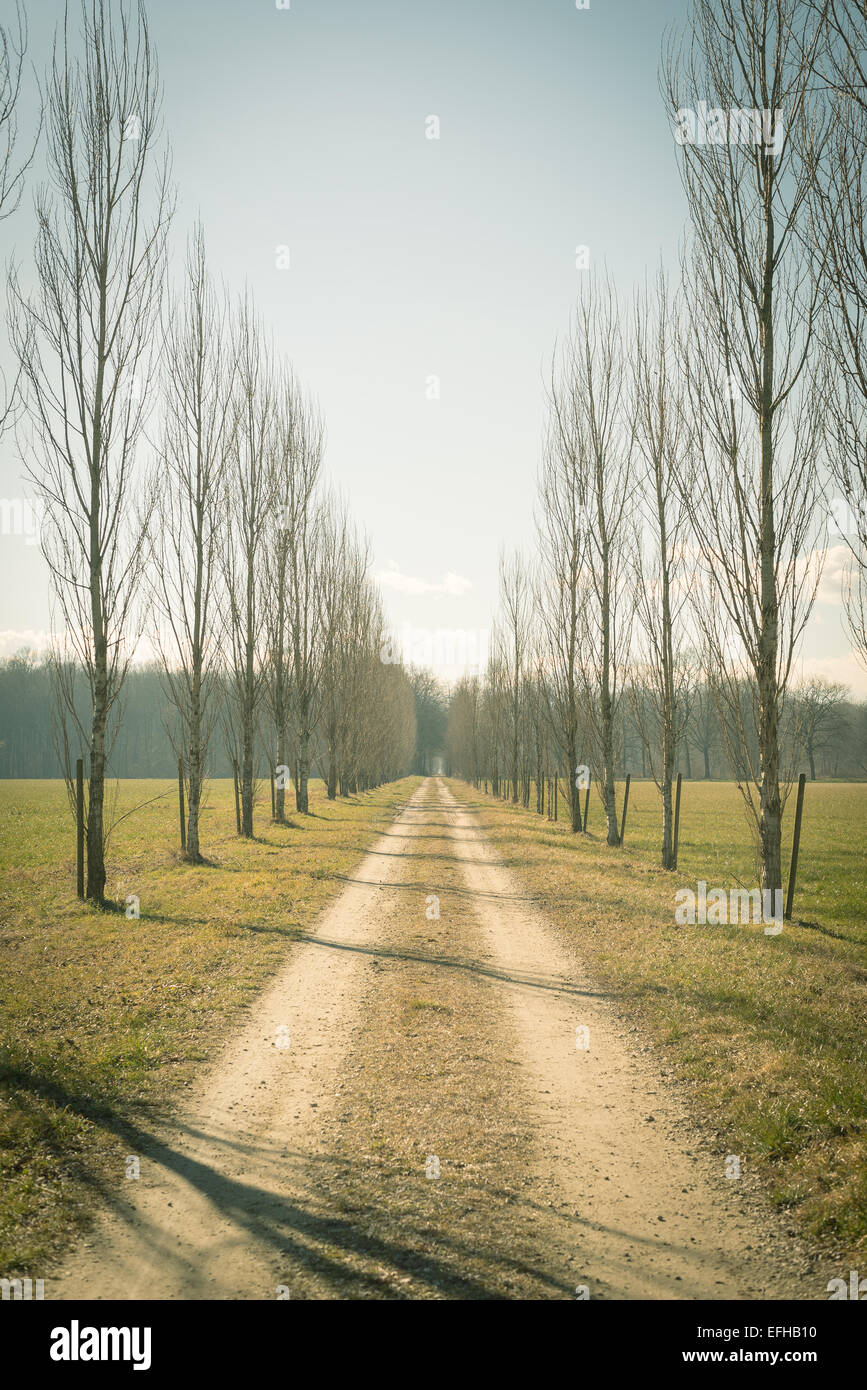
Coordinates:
<point>676,821</point>
<point>625,805</point>
<point>181,803</point>
<point>79,826</point>
<point>796,842</point>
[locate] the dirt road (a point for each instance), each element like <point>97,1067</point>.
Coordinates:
<point>431,1101</point>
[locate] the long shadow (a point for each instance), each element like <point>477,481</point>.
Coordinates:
<point>472,967</point>
<point>166,917</point>
<point>428,818</point>
<point>292,1229</point>
<point>449,839</point>
<point>293,846</point>
<point>287,1226</point>
<point>826,931</point>
<point>449,858</point>
<point>429,887</point>
<point>296,1233</point>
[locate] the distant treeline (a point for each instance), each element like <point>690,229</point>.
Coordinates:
<point>824,736</point>
<point>142,747</point>
<point>504,732</point>
<point>834,739</point>
<point>28,725</point>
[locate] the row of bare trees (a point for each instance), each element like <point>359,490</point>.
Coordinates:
<point>178,461</point>
<point>697,439</point>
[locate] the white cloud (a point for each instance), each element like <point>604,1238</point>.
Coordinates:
<point>451,583</point>
<point>39,641</point>
<point>845,669</point>
<point>12,641</point>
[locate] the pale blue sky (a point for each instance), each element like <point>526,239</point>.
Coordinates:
<point>413,257</point>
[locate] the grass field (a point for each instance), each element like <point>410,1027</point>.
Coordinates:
<point>101,1017</point>
<point>104,1019</point>
<point>769,1033</point>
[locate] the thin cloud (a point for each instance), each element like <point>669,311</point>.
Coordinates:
<point>13,641</point>
<point>845,669</point>
<point>451,583</point>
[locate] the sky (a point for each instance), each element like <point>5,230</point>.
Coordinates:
<point>428,278</point>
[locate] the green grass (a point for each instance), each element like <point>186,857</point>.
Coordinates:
<point>103,1018</point>
<point>768,1033</point>
<point>716,844</point>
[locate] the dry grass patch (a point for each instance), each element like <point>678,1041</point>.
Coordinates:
<point>769,1033</point>
<point>104,1019</point>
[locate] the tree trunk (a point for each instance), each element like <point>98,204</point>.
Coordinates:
<point>195,775</point>
<point>282,761</point>
<point>302,801</point>
<point>770,822</point>
<point>247,780</point>
<point>96,797</point>
<point>667,815</point>
<point>607,723</point>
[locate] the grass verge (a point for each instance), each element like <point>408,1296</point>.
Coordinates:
<point>768,1033</point>
<point>105,1018</point>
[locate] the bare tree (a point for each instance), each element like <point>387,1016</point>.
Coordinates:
<point>252,517</point>
<point>390,727</point>
<point>515,609</point>
<point>277,558</point>
<point>343,575</point>
<point>561,593</point>
<point>840,206</point>
<point>494,710</point>
<point>199,399</point>
<point>593,425</point>
<point>463,746</point>
<point>364,674</point>
<point>753,300</point>
<point>13,49</point>
<point>818,715</point>
<point>384,704</point>
<point>84,343</point>
<point>536,712</point>
<point>843,58</point>
<point>304,522</point>
<point>704,725</point>
<point>661,571</point>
